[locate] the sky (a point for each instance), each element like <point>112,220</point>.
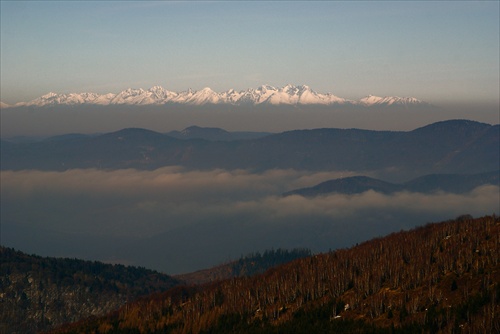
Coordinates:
<point>439,52</point>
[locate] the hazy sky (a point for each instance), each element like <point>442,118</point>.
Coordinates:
<point>435,51</point>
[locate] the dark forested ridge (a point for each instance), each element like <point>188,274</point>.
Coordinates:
<point>439,278</point>
<point>215,134</point>
<point>248,265</point>
<point>451,183</point>
<point>455,146</point>
<point>38,293</point>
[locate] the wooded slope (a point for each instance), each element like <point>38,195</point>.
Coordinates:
<point>442,277</point>
<point>38,293</point>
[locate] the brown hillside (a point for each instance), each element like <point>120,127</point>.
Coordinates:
<point>40,293</point>
<point>249,265</point>
<point>442,277</point>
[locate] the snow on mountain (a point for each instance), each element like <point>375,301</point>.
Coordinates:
<point>154,95</point>
<point>231,96</point>
<point>303,95</point>
<point>372,100</point>
<point>103,99</point>
<point>256,96</point>
<point>53,99</point>
<point>289,94</point>
<point>265,94</point>
<point>204,96</point>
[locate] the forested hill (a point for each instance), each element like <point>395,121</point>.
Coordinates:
<point>38,293</point>
<point>454,146</point>
<point>428,184</point>
<point>442,277</point>
<point>248,265</point>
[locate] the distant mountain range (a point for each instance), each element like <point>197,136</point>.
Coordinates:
<point>191,132</point>
<point>448,147</point>
<point>450,183</point>
<point>265,94</point>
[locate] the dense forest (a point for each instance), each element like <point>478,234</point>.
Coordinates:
<point>248,265</point>
<point>38,293</point>
<point>439,278</point>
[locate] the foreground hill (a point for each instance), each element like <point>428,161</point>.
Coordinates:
<point>456,146</point>
<point>450,183</point>
<point>438,278</point>
<point>38,293</point>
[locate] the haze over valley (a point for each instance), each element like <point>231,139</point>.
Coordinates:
<point>180,204</point>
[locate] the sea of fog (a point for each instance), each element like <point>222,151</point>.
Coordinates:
<point>177,221</point>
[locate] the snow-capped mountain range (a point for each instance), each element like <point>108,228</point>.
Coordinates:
<point>265,94</point>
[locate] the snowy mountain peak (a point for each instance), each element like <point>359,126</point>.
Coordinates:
<point>264,94</point>
<point>372,100</point>
<point>157,90</point>
<point>265,88</point>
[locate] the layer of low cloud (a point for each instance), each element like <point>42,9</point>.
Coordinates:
<point>176,221</point>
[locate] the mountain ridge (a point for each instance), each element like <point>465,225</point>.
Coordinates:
<point>215,134</point>
<point>450,147</point>
<point>264,94</point>
<point>451,183</point>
